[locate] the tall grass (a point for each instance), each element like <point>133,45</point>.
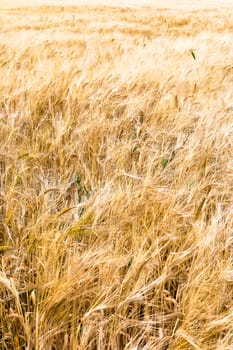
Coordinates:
<point>116,178</point>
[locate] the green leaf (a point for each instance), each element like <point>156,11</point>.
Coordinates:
<point>134,149</point>
<point>164,163</point>
<point>130,262</point>
<point>193,54</point>
<point>78,180</point>
<point>191,183</point>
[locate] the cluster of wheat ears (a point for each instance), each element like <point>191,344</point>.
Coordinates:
<point>116,178</point>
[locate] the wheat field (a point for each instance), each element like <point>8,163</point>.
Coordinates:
<point>116,176</point>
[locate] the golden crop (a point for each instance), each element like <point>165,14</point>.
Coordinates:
<point>116,177</point>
